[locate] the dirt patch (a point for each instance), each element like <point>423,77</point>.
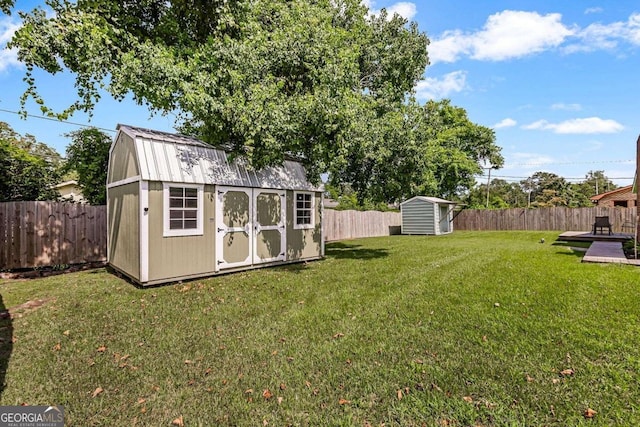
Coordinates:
<point>25,308</point>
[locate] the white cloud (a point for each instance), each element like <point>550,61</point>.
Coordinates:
<point>593,10</point>
<point>432,88</point>
<point>567,107</point>
<point>506,35</point>
<point>8,57</point>
<point>405,9</point>
<point>516,160</point>
<point>599,36</point>
<point>505,123</point>
<point>514,34</point>
<point>589,125</point>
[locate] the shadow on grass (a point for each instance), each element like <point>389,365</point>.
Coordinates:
<point>6,343</point>
<point>341,250</point>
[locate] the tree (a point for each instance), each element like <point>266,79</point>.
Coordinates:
<point>547,189</point>
<point>28,169</point>
<point>419,149</point>
<point>264,79</point>
<point>595,182</point>
<point>88,156</point>
<point>502,195</point>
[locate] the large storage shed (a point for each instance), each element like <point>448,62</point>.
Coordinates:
<point>179,208</point>
<point>427,215</point>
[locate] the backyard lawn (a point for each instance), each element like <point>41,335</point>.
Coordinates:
<point>468,329</point>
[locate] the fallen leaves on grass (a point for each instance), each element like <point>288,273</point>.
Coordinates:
<point>530,379</point>
<point>97,391</point>
<point>66,333</point>
<point>57,347</point>
<point>266,393</point>
<point>589,413</point>
<point>178,422</point>
<point>101,349</point>
<point>468,399</point>
<point>338,335</point>
<point>567,372</point>
<point>344,401</point>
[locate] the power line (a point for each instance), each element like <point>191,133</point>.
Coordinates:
<point>572,163</point>
<point>526,177</point>
<point>58,120</point>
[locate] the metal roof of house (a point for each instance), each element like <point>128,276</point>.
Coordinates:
<point>431,200</point>
<point>171,157</point>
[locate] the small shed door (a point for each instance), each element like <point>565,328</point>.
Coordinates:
<point>444,219</point>
<point>269,225</point>
<point>250,226</point>
<point>234,231</point>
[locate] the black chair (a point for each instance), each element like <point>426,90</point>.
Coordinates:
<point>601,223</point>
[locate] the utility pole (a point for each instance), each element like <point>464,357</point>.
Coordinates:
<point>488,184</point>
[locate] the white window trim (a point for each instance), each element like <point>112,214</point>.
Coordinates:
<point>167,231</point>
<point>297,226</point>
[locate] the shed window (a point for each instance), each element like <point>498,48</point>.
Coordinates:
<point>183,210</point>
<point>303,217</point>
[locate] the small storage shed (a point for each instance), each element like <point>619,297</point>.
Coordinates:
<point>178,208</point>
<point>427,215</point>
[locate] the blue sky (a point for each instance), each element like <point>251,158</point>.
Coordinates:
<point>558,81</point>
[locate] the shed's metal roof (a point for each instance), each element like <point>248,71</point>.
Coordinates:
<point>431,200</point>
<point>171,157</point>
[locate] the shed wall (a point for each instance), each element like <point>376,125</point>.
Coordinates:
<point>123,163</point>
<point>304,243</point>
<point>180,256</point>
<point>124,229</point>
<point>419,217</point>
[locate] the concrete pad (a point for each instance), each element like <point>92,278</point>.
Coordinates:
<point>608,252</point>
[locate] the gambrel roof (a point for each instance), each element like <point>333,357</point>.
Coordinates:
<point>179,158</point>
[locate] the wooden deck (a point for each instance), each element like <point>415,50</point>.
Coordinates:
<point>588,236</point>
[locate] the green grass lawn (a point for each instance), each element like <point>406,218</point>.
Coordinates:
<point>469,329</point>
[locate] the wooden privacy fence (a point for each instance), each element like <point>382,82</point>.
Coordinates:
<point>342,225</point>
<point>35,234</point>
<point>539,219</point>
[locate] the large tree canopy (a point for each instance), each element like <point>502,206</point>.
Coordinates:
<point>323,81</point>
<point>265,79</point>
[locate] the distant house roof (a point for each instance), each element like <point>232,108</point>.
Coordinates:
<point>627,189</point>
<point>172,157</point>
<point>431,199</point>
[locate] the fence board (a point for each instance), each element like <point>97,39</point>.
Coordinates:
<point>39,234</point>
<point>541,219</point>
<point>343,225</point>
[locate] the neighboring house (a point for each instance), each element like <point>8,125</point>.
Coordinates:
<point>70,190</point>
<point>623,197</point>
<point>178,208</point>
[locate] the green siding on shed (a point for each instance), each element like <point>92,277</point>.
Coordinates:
<point>123,163</point>
<point>179,256</point>
<point>124,229</point>
<point>303,243</point>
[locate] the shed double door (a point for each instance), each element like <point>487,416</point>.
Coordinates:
<point>250,226</point>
